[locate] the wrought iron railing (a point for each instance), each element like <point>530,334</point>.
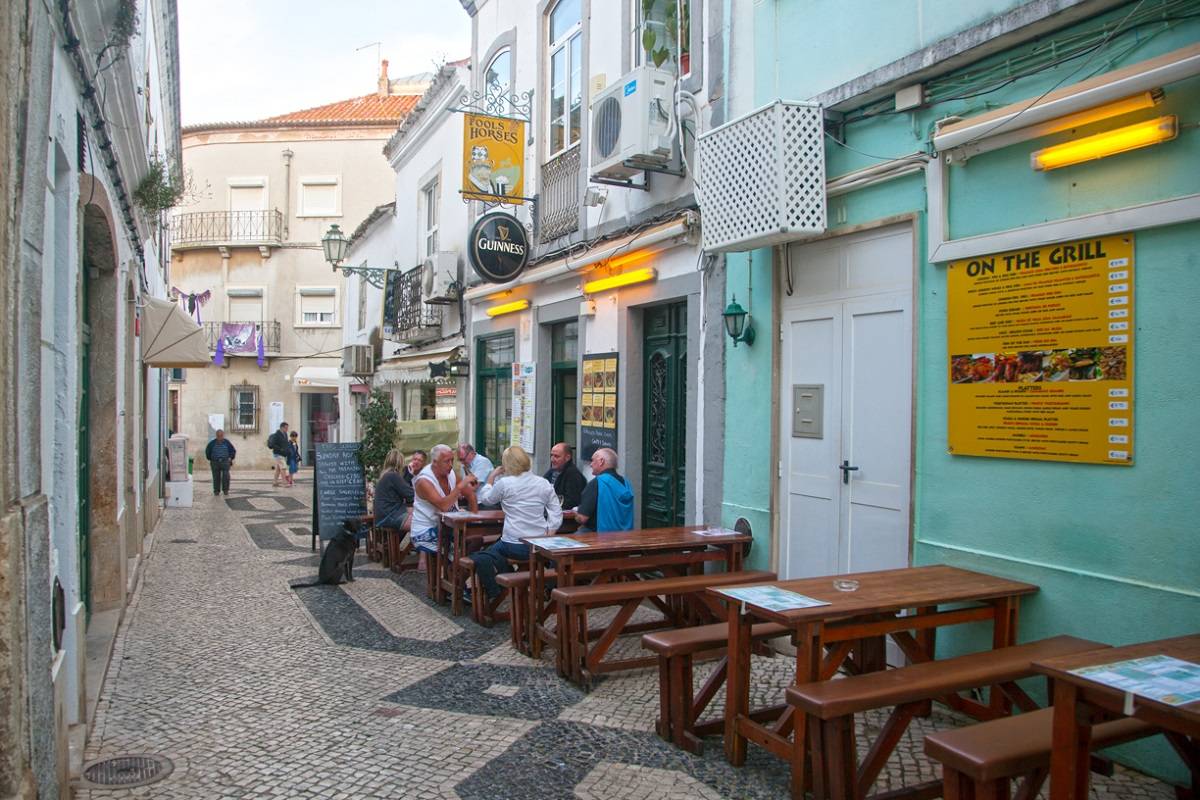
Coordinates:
<point>268,329</point>
<point>558,204</point>
<point>213,228</point>
<point>415,319</point>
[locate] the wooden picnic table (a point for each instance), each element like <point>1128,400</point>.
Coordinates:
<point>464,527</point>
<point>1081,702</point>
<point>607,554</point>
<point>858,619</point>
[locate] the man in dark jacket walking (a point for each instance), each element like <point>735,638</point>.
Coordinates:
<point>567,479</point>
<point>280,450</point>
<point>220,454</point>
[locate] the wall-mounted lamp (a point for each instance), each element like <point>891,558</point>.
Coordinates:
<point>623,279</point>
<point>507,308</point>
<point>336,246</point>
<point>738,324</point>
<point>1109,143</point>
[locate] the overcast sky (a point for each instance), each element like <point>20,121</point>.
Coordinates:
<point>249,59</point>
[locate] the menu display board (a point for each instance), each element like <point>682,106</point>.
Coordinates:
<point>1041,345</point>
<point>598,404</point>
<point>524,401</point>
<point>339,489</point>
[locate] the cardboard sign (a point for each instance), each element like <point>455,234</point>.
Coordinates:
<point>1041,346</point>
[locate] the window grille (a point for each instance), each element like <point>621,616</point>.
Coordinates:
<point>243,408</point>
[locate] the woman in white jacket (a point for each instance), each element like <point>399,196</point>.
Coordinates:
<point>531,508</point>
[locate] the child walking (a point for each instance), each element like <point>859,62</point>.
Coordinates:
<point>293,459</point>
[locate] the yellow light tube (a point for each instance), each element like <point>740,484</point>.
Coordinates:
<point>636,257</point>
<point>508,308</point>
<point>624,279</point>
<point>1116,108</point>
<point>1120,140</point>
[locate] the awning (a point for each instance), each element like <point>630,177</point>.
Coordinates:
<point>316,379</point>
<point>170,338</point>
<point>414,368</point>
<point>360,388</point>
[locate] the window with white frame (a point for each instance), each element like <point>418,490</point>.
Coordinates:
<point>565,96</point>
<point>431,197</point>
<point>243,408</point>
<point>320,196</point>
<point>317,306</point>
<point>661,34</point>
<point>497,83</point>
<point>362,302</point>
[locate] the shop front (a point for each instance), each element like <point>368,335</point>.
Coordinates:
<point>319,408</point>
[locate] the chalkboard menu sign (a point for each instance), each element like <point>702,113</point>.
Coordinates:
<point>339,490</point>
<point>598,404</point>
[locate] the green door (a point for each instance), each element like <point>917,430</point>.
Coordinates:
<point>85,447</point>
<point>564,383</point>
<point>664,421</point>
<point>493,393</point>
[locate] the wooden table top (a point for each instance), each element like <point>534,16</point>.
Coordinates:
<point>890,590</point>
<point>641,539</point>
<point>1185,648</point>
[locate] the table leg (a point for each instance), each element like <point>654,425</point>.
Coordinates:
<point>737,683</point>
<point>457,534</point>
<point>1004,634</point>
<point>1069,753</point>
<point>809,651</point>
<point>537,566</point>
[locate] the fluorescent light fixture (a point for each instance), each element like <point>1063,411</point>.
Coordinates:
<point>636,257</point>
<point>508,308</point>
<point>1116,108</point>
<point>1119,140</point>
<point>623,279</point>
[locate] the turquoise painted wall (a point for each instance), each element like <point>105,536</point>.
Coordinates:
<point>1115,550</point>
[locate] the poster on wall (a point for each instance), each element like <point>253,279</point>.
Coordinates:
<point>524,392</point>
<point>598,404</point>
<point>493,159</point>
<point>1040,354</point>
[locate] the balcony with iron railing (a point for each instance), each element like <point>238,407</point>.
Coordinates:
<point>236,345</point>
<point>416,320</point>
<point>227,229</point>
<point>558,205</point>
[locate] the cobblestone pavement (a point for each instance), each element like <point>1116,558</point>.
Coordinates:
<point>255,689</point>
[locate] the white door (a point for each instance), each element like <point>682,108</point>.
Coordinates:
<point>847,342</point>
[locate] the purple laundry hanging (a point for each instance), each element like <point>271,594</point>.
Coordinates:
<point>219,358</point>
<point>262,355</point>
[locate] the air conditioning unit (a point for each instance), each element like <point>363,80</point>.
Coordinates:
<point>358,359</point>
<point>631,122</point>
<point>439,281</point>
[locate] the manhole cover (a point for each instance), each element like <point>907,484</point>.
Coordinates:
<point>127,771</point>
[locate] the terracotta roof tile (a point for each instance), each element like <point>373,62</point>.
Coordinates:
<point>368,108</point>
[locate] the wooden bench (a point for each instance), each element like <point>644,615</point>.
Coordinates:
<point>580,663</point>
<point>979,762</point>
<point>484,611</point>
<point>678,712</point>
<point>830,707</point>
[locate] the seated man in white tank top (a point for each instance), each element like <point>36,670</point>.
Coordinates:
<point>436,489</point>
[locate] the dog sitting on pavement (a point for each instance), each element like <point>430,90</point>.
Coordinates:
<point>337,562</point>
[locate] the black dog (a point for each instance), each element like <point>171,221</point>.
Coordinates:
<point>337,562</point>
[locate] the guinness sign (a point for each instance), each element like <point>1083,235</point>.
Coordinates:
<point>499,247</point>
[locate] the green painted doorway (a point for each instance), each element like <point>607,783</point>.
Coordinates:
<point>664,418</point>
<point>493,398</point>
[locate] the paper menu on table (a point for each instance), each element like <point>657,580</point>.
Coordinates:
<point>771,598</point>
<point>1162,678</point>
<point>557,543</point>
<point>716,532</point>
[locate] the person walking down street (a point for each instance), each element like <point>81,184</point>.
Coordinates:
<point>293,459</point>
<point>278,444</point>
<point>568,481</point>
<point>531,508</point>
<point>220,453</point>
<point>607,501</point>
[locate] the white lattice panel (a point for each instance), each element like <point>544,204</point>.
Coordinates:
<point>763,178</point>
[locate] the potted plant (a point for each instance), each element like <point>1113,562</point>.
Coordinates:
<point>379,436</point>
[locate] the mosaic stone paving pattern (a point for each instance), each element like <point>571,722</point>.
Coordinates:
<point>256,689</point>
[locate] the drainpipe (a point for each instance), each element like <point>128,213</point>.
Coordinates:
<point>287,189</point>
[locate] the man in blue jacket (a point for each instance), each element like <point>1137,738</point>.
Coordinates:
<point>607,500</point>
<point>220,454</point>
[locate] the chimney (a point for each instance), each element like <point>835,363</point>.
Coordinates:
<point>385,86</point>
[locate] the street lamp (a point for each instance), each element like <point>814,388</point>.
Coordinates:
<point>738,324</point>
<point>336,246</point>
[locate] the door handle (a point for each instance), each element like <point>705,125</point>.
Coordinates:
<point>846,470</point>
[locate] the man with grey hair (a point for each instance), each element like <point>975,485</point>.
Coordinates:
<point>607,500</point>
<point>475,463</point>
<point>220,453</point>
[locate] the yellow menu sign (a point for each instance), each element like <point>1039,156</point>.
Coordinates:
<point>493,159</point>
<point>1041,353</point>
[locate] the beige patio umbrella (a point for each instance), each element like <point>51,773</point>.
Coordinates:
<point>170,338</point>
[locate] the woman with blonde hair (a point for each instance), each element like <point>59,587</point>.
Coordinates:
<point>391,507</point>
<point>531,508</point>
